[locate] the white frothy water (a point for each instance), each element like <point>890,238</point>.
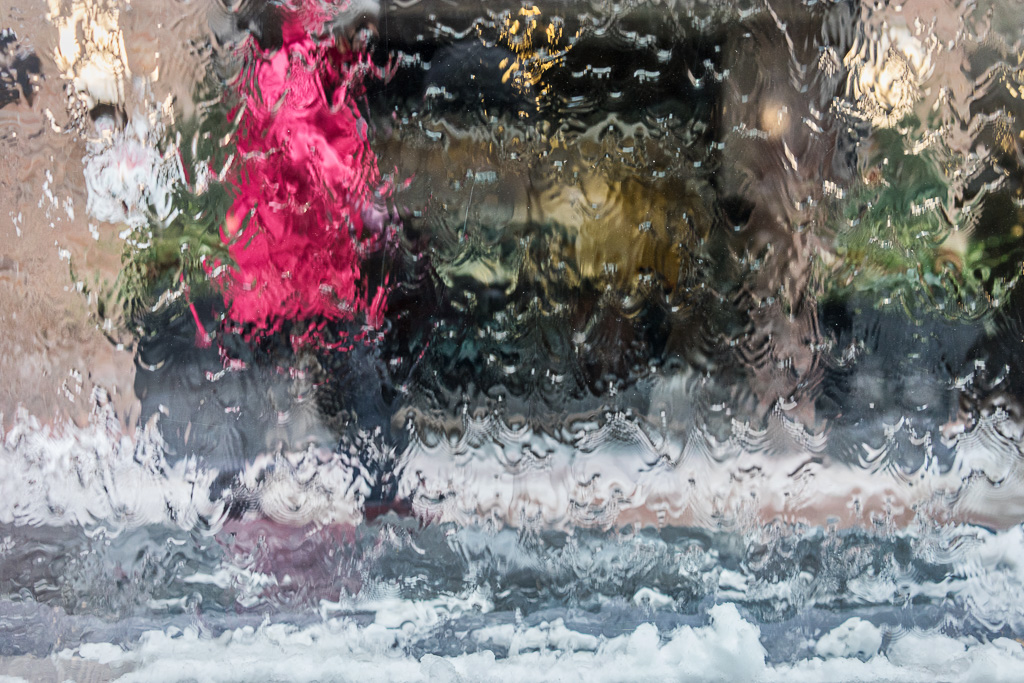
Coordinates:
<point>727,649</point>
<point>99,476</point>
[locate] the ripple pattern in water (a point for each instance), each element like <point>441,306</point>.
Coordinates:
<point>427,341</point>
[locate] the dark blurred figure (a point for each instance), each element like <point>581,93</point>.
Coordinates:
<point>19,70</point>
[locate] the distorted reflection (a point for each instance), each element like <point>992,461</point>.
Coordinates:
<point>444,341</point>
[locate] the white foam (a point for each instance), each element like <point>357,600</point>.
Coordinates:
<point>652,598</point>
<point>727,649</point>
<point>104,653</point>
<point>853,638</point>
<point>919,659</point>
<point>928,651</point>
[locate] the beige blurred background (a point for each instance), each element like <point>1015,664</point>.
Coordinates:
<point>54,260</point>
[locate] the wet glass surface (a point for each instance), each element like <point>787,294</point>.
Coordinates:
<point>495,341</point>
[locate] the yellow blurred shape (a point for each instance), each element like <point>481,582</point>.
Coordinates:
<point>536,51</point>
